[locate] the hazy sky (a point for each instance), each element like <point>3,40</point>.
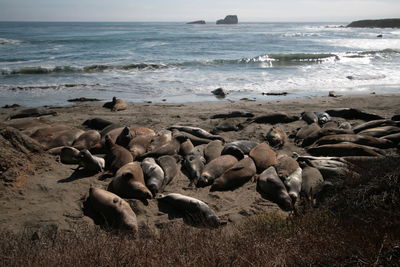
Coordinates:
<point>187,10</point>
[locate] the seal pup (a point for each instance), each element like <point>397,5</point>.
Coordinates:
<point>170,167</point>
<point>88,140</point>
<point>129,182</point>
<point>90,163</point>
<point>196,211</point>
<point>216,168</point>
<point>213,150</point>
<point>323,117</point>
<point>272,188</point>
<point>276,137</point>
<point>236,176</point>
<point>117,156</point>
<point>193,166</point>
<point>114,209</point>
<point>153,174</point>
<point>263,156</point>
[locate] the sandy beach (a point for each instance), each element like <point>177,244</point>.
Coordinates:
<point>48,195</point>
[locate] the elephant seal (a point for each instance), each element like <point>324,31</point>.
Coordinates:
<point>90,163</point>
<point>215,169</point>
<point>309,117</point>
<point>263,156</point>
<point>233,114</point>
<point>304,132</point>
<point>170,167</point>
<point>380,131</point>
<point>116,104</point>
<point>114,209</point>
<point>355,139</point>
<point>345,125</point>
<point>32,112</point>
<point>312,182</point>
<point>342,150</point>
<point>285,166</point>
<point>153,174</point>
<point>353,114</point>
<point>314,136</point>
<point>186,148</point>
<point>124,138</point>
<point>374,124</point>
<point>47,134</point>
<point>293,184</point>
<point>238,148</point>
<point>196,131</point>
<point>272,188</point>
<point>323,117</point>
<point>129,182</point>
<point>88,140</point>
<point>164,143</point>
<point>69,155</point>
<point>198,212</point>
<point>236,176</point>
<point>275,118</point>
<point>65,138</point>
<point>139,145</point>
<point>193,165</point>
<point>30,125</point>
<point>96,123</point>
<point>394,138</point>
<point>117,156</point>
<point>213,150</point>
<point>276,137</point>
<point>396,118</point>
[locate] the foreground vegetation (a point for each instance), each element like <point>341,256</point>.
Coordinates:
<point>358,224</point>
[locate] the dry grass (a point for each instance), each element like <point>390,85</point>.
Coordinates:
<point>358,226</point>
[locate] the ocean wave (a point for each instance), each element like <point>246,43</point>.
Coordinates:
<point>5,41</point>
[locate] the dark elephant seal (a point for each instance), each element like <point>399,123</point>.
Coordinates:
<point>356,139</point>
<point>396,118</point>
<point>285,166</point>
<point>90,163</point>
<point>276,137</point>
<point>88,140</point>
<point>309,117</point>
<point>153,174</point>
<point>32,112</point>
<point>275,118</point>
<point>306,131</point>
<point>352,114</point>
<point>272,188</point>
<point>117,156</point>
<point>263,156</point>
<point>343,149</point>
<point>380,131</point>
<point>394,138</point>
<point>374,124</point>
<point>236,176</point>
<point>199,213</point>
<point>312,183</point>
<point>96,123</point>
<point>238,148</point>
<point>116,104</point>
<point>213,150</point>
<point>331,168</point>
<point>215,169</point>
<point>196,131</point>
<point>124,138</point>
<point>170,167</point>
<point>129,182</point>
<point>69,155</point>
<point>117,212</point>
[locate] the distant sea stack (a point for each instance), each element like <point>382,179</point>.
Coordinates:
<point>197,22</point>
<point>230,19</point>
<point>379,23</point>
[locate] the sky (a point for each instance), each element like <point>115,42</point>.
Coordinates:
<point>189,10</point>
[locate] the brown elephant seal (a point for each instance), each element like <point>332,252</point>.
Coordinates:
<point>343,149</point>
<point>346,125</point>
<point>263,156</point>
<point>169,145</point>
<point>356,139</point>
<point>196,131</point>
<point>374,124</point>
<point>394,138</point>
<point>236,176</point>
<point>380,131</point>
<point>139,145</point>
<point>47,134</point>
<point>169,165</point>
<point>124,138</point>
<point>186,148</point>
<point>116,104</point>
<point>88,140</point>
<point>306,131</point>
<point>352,114</point>
<point>193,166</point>
<point>213,150</point>
<point>65,138</point>
<point>272,188</point>
<point>312,183</point>
<point>129,182</point>
<point>276,137</point>
<point>117,212</point>
<point>314,136</point>
<point>69,155</point>
<point>153,175</point>
<point>285,166</point>
<point>309,117</point>
<point>195,210</point>
<point>90,163</point>
<point>194,139</point>
<point>32,112</point>
<point>275,118</point>
<point>96,123</point>
<point>239,148</point>
<point>215,169</point>
<point>29,125</point>
<point>117,156</point>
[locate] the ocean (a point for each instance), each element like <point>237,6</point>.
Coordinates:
<point>46,63</point>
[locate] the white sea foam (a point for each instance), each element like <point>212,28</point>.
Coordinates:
<point>5,41</point>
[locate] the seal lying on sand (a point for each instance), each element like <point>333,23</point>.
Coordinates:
<point>263,156</point>
<point>215,169</point>
<point>276,137</point>
<point>154,175</point>
<point>344,149</point>
<point>353,114</point>
<point>32,112</point>
<point>196,211</point>
<point>117,156</point>
<point>88,140</point>
<point>116,104</point>
<point>96,123</point>
<point>356,139</point>
<point>117,212</point>
<point>196,131</point>
<point>90,163</point>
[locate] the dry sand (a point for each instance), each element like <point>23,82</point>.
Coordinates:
<point>52,197</point>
